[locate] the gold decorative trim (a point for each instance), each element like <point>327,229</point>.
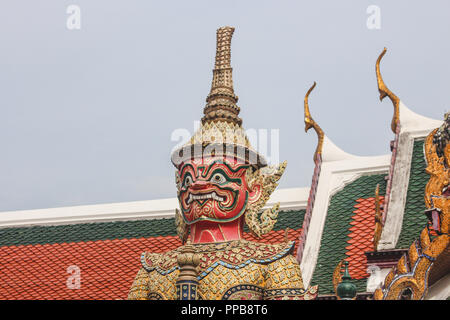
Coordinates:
<point>409,278</point>
<point>337,276</point>
<point>384,91</point>
<point>310,123</point>
<point>436,168</point>
<point>378,219</point>
<point>412,269</point>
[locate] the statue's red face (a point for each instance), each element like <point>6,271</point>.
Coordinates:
<point>214,189</point>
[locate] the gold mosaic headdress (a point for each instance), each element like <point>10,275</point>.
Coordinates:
<point>221,129</point>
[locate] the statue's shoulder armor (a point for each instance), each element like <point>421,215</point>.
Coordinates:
<point>149,260</point>
<point>162,262</point>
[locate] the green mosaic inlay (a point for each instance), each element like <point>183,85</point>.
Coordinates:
<point>336,230</point>
<point>414,219</point>
<point>115,230</point>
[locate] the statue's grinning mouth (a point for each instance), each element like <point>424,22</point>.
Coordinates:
<point>213,195</point>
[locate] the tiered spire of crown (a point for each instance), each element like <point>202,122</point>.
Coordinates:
<point>221,101</point>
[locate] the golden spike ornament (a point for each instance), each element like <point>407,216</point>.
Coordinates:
<point>310,123</point>
<point>385,92</point>
<point>378,219</point>
<point>337,276</point>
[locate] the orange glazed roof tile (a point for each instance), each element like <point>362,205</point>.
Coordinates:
<point>107,267</point>
<point>361,237</point>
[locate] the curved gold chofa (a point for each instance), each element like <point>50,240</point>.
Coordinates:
<point>310,123</point>
<point>384,91</point>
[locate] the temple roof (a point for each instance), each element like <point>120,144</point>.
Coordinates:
<point>35,259</point>
<point>348,222</point>
<point>340,217</point>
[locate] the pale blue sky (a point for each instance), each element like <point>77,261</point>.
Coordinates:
<point>86,115</point>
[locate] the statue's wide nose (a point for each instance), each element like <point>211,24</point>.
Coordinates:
<point>199,185</point>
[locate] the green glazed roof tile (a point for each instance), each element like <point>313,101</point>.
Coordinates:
<point>414,219</point>
<point>336,230</point>
<point>115,230</point>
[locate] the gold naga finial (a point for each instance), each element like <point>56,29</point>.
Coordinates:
<point>221,101</point>
<point>310,123</point>
<point>378,219</point>
<point>384,91</point>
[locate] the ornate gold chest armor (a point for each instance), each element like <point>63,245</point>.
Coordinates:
<point>230,270</point>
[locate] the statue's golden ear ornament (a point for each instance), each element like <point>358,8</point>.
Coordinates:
<point>378,219</point>
<point>384,91</point>
<point>266,178</point>
<point>182,230</point>
<point>310,123</point>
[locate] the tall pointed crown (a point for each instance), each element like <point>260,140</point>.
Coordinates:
<point>221,126</point>
<point>221,101</point>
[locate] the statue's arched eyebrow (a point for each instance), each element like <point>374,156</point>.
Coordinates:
<point>185,166</point>
<point>205,173</point>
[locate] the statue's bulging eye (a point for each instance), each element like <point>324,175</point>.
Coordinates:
<point>187,181</point>
<point>218,178</point>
